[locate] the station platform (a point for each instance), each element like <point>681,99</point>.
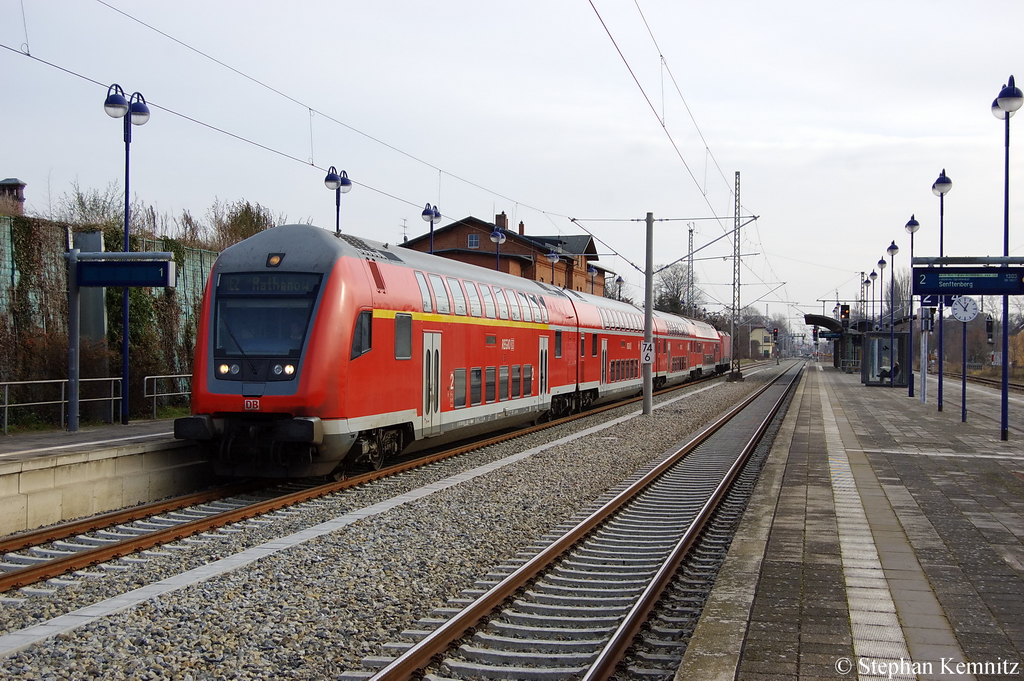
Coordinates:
<point>884,540</point>
<point>50,476</point>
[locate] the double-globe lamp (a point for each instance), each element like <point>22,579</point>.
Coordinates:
<point>1009,100</point>
<point>912,226</point>
<point>339,184</point>
<point>134,111</point>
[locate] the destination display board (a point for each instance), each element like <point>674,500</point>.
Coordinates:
<point>277,283</point>
<point>120,273</point>
<point>963,281</point>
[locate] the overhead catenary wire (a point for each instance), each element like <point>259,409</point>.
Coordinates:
<point>313,111</point>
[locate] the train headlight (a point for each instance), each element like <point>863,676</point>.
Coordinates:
<point>234,369</point>
<point>289,369</point>
<point>223,368</point>
<point>278,369</point>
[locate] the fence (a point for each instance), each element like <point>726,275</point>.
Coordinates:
<point>172,382</point>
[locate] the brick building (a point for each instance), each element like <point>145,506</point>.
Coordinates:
<point>566,261</point>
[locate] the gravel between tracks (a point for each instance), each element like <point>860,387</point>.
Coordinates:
<point>317,609</point>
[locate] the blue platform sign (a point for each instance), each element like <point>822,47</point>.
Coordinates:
<point>965,281</point>
<point>829,335</point>
<point>120,273</point>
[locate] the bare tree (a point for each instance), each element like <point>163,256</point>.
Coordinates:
<point>671,286</point>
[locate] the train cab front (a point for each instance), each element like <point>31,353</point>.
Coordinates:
<point>251,406</point>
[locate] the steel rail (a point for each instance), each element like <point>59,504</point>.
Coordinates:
<point>43,535</point>
<point>79,560</point>
<point>423,652</point>
<point>615,650</point>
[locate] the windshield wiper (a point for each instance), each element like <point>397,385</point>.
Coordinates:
<point>227,327</point>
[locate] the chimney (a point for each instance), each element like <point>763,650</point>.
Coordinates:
<point>501,220</point>
<point>522,228</point>
<point>13,190</point>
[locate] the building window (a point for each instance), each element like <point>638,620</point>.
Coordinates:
<point>473,241</point>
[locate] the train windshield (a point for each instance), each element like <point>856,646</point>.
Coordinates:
<point>263,315</point>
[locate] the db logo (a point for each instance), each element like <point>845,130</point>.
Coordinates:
<point>252,405</point>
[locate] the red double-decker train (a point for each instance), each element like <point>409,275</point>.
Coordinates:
<point>315,347</point>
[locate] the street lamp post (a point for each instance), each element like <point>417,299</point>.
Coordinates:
<point>618,281</point>
<point>940,187</point>
<point>892,251</point>
<point>134,111</point>
<point>498,237</point>
<point>881,290</point>
<point>1009,100</point>
<point>339,184</point>
<point>873,276</point>
<point>591,270</point>
<point>912,226</point>
<point>432,215</point>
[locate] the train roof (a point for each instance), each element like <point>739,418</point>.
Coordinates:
<point>311,248</point>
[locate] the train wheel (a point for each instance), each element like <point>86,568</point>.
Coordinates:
<point>385,444</point>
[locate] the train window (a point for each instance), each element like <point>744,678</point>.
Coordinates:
<point>558,343</point>
<point>542,306</point>
<point>490,339</point>
<point>362,335</point>
<point>489,386</point>
<point>583,345</point>
<point>502,305</point>
<point>424,292</point>
<point>475,383</point>
<point>485,291</point>
<point>593,345</point>
<point>459,385</point>
<point>537,316</point>
<point>460,299</point>
<point>503,383</point>
<point>527,380</point>
<point>527,310</point>
<point>440,294</point>
<point>403,336</point>
<point>513,305</point>
<point>515,381</point>
<point>474,299</point>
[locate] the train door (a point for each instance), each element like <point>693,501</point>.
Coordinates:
<point>431,383</point>
<point>604,361</point>
<point>542,365</point>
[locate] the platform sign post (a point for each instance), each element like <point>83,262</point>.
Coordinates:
<point>104,269</point>
<point>923,315</point>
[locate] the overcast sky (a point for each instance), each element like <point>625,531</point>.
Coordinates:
<point>838,116</point>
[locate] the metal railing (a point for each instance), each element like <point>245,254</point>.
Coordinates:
<point>113,398</point>
<point>174,386</point>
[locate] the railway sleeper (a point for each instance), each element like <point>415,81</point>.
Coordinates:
<point>543,645</point>
<point>526,631</point>
<point>515,658</point>
<point>473,669</point>
<point>598,602</point>
<point>539,620</point>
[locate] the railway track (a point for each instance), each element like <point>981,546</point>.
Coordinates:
<point>571,606</point>
<point>52,552</point>
<point>990,382</point>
